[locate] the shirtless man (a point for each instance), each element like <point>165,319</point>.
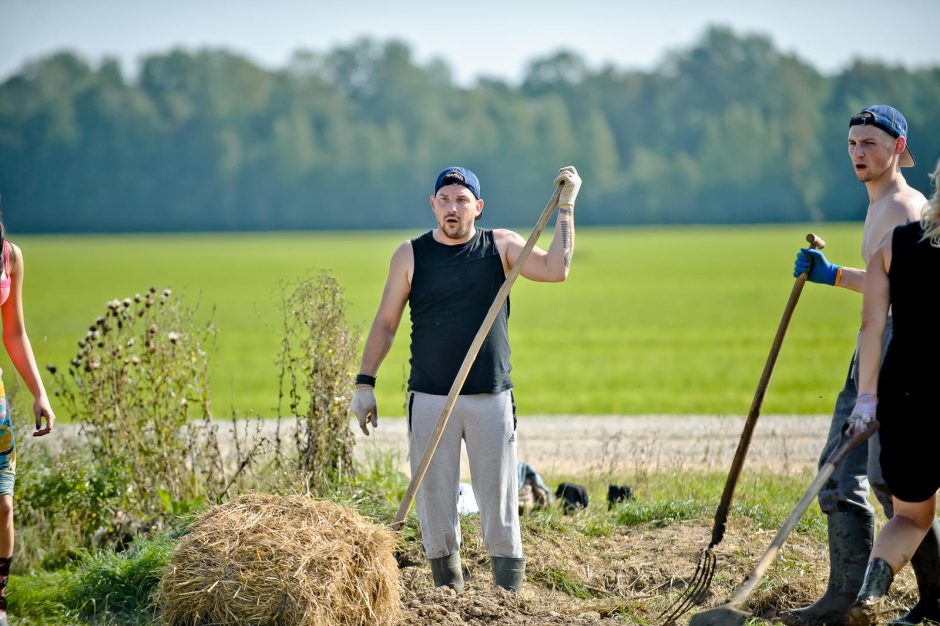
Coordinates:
<point>878,149</point>
<point>449,276</point>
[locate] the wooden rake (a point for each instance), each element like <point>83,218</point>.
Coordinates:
<point>701,579</point>
<point>471,356</point>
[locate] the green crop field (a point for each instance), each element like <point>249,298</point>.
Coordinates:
<point>651,320</point>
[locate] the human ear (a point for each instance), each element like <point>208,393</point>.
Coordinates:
<point>899,145</point>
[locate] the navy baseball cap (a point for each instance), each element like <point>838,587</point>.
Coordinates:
<point>888,119</point>
<point>458,176</point>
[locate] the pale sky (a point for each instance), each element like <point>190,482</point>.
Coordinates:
<point>485,37</point>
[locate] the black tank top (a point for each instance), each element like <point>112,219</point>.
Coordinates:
<point>915,301</point>
<point>451,290</point>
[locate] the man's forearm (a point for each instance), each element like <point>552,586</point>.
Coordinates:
<point>562,248</point>
<point>378,343</point>
<point>852,279</point>
<point>565,223</point>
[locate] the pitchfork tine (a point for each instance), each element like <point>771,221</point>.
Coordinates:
<point>695,591</point>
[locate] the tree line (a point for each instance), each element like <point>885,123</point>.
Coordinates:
<point>728,130</point>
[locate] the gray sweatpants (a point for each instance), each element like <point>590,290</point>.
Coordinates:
<point>847,488</point>
<point>486,422</point>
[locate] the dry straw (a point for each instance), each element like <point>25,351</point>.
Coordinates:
<point>272,560</point>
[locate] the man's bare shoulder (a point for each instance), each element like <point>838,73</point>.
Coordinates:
<point>403,260</point>
<point>404,253</point>
<point>402,266</point>
<point>895,209</point>
<point>902,206</point>
<point>502,234</point>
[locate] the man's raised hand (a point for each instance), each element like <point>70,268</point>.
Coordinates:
<point>572,184</point>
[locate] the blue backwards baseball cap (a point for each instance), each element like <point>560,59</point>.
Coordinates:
<point>888,119</point>
<point>458,176</point>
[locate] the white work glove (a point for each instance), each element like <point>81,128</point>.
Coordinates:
<point>363,405</point>
<point>572,184</point>
<point>863,415</point>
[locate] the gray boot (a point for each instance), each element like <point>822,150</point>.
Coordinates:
<point>447,573</point>
<point>508,572</point>
<point>850,539</point>
<point>878,578</point>
<point>926,566</point>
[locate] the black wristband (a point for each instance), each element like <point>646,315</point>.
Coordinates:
<point>365,379</point>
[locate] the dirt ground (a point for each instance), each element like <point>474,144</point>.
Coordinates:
<point>635,572</point>
<point>632,574</point>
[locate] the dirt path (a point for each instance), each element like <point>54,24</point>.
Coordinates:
<point>577,445</point>
<point>612,444</point>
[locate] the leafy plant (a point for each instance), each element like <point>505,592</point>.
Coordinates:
<point>138,379</point>
<point>316,367</point>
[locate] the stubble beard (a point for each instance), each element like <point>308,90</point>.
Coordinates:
<point>456,232</point>
<point>869,174</point>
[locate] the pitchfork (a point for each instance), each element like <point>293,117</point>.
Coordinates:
<point>701,579</point>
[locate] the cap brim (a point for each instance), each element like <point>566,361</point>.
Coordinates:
<point>907,159</point>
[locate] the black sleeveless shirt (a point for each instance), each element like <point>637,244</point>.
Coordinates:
<point>915,306</point>
<point>451,290</point>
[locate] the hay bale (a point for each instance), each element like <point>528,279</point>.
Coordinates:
<point>263,559</point>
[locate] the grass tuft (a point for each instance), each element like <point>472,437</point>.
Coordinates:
<point>558,579</point>
<point>115,586</point>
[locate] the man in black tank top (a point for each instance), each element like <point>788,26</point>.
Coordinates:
<point>449,276</point>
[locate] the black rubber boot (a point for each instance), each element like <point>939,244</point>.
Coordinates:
<point>878,578</point>
<point>4,575</point>
<point>850,539</point>
<point>926,566</point>
<point>447,573</point>
<point>508,572</point>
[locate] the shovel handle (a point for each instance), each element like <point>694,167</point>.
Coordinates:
<point>471,356</point>
<point>724,507</point>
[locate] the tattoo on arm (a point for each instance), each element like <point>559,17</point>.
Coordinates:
<point>565,242</point>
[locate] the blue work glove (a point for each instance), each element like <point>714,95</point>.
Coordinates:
<point>822,271</point>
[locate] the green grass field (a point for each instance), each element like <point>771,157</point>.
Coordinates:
<point>651,320</point>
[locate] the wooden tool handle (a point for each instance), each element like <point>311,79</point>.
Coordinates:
<point>468,360</point>
<point>724,507</point>
<point>815,242</point>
